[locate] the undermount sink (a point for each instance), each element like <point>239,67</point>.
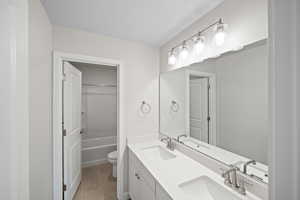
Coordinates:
<point>157,152</point>
<point>204,187</point>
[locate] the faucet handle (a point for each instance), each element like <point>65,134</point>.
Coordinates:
<point>165,138</point>
<point>179,136</point>
<point>242,183</point>
<point>234,167</point>
<point>222,172</point>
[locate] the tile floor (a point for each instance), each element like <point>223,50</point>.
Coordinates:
<point>97,184</point>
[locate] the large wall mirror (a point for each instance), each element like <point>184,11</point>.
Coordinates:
<point>220,107</point>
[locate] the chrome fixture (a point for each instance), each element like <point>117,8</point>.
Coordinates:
<point>246,165</point>
<point>180,136</point>
<point>220,33</point>
<point>170,144</point>
<point>145,107</point>
<point>199,43</point>
<point>198,40</point>
<point>172,58</point>
<point>231,179</point>
<point>174,106</point>
<point>184,51</point>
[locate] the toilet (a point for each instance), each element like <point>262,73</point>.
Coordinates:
<point>112,158</point>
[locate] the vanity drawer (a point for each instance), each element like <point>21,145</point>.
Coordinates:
<point>141,170</point>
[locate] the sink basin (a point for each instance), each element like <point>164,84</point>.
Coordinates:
<point>157,152</point>
<point>204,187</point>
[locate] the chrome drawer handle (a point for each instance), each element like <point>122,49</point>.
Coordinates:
<point>137,176</point>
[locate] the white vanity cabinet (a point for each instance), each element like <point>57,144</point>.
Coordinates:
<point>160,193</point>
<point>141,183</point>
<point>142,186</point>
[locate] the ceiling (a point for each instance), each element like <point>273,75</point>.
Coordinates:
<point>153,22</point>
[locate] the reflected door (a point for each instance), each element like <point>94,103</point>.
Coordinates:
<point>199,109</point>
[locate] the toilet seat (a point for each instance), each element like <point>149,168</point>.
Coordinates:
<point>113,155</point>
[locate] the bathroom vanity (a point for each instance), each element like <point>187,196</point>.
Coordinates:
<point>157,173</point>
<point>213,132</point>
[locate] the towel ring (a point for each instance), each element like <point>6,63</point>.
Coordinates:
<point>145,107</point>
<point>174,106</point>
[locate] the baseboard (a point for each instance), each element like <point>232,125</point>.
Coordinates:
<point>93,163</point>
<point>125,196</point>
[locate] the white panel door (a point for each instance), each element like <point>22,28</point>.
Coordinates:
<point>72,127</point>
<point>199,109</point>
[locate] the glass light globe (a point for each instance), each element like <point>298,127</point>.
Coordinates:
<point>183,53</point>
<point>220,35</point>
<point>172,59</point>
<point>199,45</point>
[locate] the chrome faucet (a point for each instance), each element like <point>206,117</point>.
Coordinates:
<point>246,165</point>
<point>170,144</point>
<point>180,136</point>
<point>231,179</point>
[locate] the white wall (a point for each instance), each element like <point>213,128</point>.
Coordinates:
<point>173,88</point>
<point>40,89</point>
<point>284,102</point>
<point>14,156</point>
<point>298,100</point>
<point>247,23</point>
<point>141,70</point>
<point>99,104</point>
<point>6,114</point>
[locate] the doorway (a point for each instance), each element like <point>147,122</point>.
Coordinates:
<point>201,106</point>
<point>86,128</point>
<point>98,131</point>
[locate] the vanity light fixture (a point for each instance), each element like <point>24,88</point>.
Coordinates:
<point>172,58</point>
<point>199,41</point>
<point>220,33</point>
<point>184,51</point>
<point>199,44</point>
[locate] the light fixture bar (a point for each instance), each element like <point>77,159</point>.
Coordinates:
<point>220,21</point>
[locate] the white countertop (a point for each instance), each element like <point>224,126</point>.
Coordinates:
<point>170,173</point>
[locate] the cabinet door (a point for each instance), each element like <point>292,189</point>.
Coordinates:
<point>161,194</point>
<point>140,184</point>
<point>134,186</point>
<point>146,192</point>
<point>138,187</point>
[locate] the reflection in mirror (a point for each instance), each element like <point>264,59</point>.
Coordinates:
<point>221,105</point>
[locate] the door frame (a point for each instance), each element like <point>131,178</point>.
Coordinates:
<point>212,102</point>
<point>58,58</point>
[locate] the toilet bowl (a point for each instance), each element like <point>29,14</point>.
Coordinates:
<point>112,158</point>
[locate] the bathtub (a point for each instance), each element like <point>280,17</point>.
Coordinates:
<point>95,150</point>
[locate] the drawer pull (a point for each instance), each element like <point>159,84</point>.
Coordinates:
<point>137,176</point>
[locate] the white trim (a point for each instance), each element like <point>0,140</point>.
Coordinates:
<point>58,58</point>
<point>125,196</point>
<point>94,162</point>
<point>99,138</point>
<point>212,102</point>
<point>98,147</point>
